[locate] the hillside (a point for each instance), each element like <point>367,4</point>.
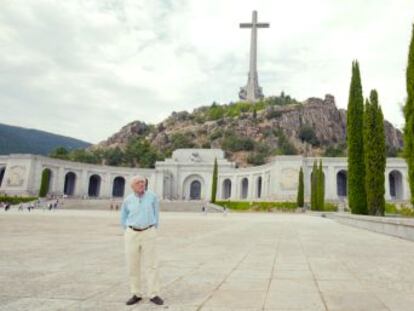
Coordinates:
<point>251,134</point>
<point>15,139</point>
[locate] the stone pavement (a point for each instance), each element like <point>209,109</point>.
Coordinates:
<point>73,260</point>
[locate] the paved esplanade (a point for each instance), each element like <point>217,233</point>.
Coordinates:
<point>252,91</point>
<point>74,260</point>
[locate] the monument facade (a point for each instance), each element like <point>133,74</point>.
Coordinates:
<point>187,175</point>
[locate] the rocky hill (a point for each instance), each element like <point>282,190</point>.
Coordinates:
<point>251,134</point>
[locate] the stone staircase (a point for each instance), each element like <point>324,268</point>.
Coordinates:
<point>105,204</point>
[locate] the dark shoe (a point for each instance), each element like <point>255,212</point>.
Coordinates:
<point>157,300</point>
<point>133,300</point>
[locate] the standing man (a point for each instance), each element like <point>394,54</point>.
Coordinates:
<point>140,217</point>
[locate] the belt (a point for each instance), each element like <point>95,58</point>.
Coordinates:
<point>138,229</point>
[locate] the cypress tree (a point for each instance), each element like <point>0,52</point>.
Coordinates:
<point>44,184</point>
<point>375,159</point>
<point>356,165</point>
<point>301,189</point>
<point>214,182</point>
<point>314,187</point>
<point>409,118</point>
<point>321,188</point>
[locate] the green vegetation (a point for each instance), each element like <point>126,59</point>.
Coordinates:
<point>300,200</point>
<point>402,211</point>
<point>285,147</point>
<point>232,142</point>
<point>330,207</point>
<point>233,110</point>
<point>335,151</point>
<point>44,184</point>
<point>320,188</point>
<point>137,153</point>
<point>374,152</point>
<point>356,163</point>
<point>317,187</point>
<point>15,199</point>
<point>409,118</point>
<point>214,182</point>
<point>307,134</point>
<point>259,206</point>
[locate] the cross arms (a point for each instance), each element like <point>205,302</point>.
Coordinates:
<point>258,25</point>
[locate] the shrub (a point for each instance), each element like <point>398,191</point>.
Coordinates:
<point>16,200</point>
<point>307,133</point>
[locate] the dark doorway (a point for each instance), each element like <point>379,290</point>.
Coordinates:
<point>94,186</point>
<point>341,184</point>
<point>195,190</point>
<point>118,187</point>
<point>70,182</point>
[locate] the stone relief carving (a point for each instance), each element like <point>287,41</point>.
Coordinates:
<point>16,176</point>
<point>195,157</point>
<point>289,179</point>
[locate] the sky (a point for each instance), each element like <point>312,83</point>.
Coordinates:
<point>86,68</point>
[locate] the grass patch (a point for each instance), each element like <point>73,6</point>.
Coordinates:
<point>286,206</point>
<point>15,199</point>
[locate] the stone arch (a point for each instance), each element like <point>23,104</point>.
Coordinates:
<point>259,185</point>
<point>244,188</point>
<point>226,189</point>
<point>2,171</point>
<point>70,183</point>
<point>396,185</point>
<point>118,187</point>
<point>193,187</point>
<point>341,183</point>
<point>94,187</point>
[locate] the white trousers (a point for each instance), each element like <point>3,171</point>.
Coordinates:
<point>141,256</point>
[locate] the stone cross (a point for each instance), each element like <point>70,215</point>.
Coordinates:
<point>252,91</point>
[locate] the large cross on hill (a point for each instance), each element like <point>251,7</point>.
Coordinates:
<point>252,91</point>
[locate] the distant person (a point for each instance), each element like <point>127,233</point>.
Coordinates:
<point>7,207</point>
<point>20,207</point>
<point>140,218</point>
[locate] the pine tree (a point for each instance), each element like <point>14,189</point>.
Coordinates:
<point>356,165</point>
<point>374,152</point>
<point>321,188</point>
<point>44,184</point>
<point>301,189</point>
<point>214,182</point>
<point>409,118</point>
<point>314,187</point>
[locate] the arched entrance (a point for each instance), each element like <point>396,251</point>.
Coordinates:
<point>70,183</point>
<point>118,187</point>
<point>195,190</point>
<point>244,188</point>
<point>259,187</point>
<point>341,184</point>
<point>94,185</point>
<point>2,171</point>
<point>226,190</point>
<point>396,186</point>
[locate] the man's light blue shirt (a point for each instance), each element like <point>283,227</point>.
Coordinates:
<point>140,212</point>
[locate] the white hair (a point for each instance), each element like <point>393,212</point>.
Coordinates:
<point>137,178</point>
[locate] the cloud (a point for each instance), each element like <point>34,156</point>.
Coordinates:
<point>86,68</point>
